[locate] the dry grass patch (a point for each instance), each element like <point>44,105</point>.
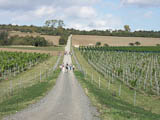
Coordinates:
<point>85,40</point>
<point>53,53</point>
<point>52,39</point>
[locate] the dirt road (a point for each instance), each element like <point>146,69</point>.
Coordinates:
<point>66,101</point>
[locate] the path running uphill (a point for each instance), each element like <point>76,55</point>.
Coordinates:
<point>66,101</point>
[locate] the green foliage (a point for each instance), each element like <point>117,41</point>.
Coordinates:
<point>28,40</point>
<point>98,43</point>
<point>4,38</point>
<point>131,44</point>
<point>54,23</point>
<point>126,48</point>
<point>12,61</point>
<point>127,28</point>
<point>63,39</point>
<point>137,43</point>
<point>106,45</point>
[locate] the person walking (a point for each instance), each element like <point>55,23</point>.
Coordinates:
<point>73,67</point>
<point>67,67</point>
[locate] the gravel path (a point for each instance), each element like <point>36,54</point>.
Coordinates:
<point>66,101</point>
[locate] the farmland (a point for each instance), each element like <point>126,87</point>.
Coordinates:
<point>14,62</point>
<point>119,83</point>
<point>139,70</point>
<point>26,75</point>
<point>85,40</point>
<point>52,39</point>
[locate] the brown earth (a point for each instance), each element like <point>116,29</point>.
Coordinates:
<point>52,39</point>
<point>54,53</point>
<point>85,40</point>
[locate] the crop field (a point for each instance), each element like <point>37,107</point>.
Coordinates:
<point>23,69</point>
<point>51,51</point>
<point>118,86</point>
<point>86,40</point>
<point>145,49</point>
<point>52,39</point>
<point>137,70</point>
<point>12,63</point>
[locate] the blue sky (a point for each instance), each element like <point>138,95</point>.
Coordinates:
<point>84,14</point>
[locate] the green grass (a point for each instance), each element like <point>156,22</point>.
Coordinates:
<point>27,88</point>
<point>112,106</point>
<point>51,48</point>
<point>25,96</point>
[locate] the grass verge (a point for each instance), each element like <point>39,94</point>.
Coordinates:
<point>26,96</point>
<point>112,106</point>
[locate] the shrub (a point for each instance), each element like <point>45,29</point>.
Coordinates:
<point>106,45</point>
<point>137,43</point>
<point>98,43</point>
<point>4,38</point>
<point>131,44</point>
<point>63,40</point>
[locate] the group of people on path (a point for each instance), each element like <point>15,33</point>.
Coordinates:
<point>67,53</point>
<point>67,67</point>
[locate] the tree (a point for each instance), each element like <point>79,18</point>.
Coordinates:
<point>60,23</point>
<point>131,44</point>
<point>47,23</point>
<point>106,45</point>
<point>54,23</point>
<point>137,43</point>
<point>63,40</point>
<point>98,43</point>
<point>4,38</point>
<point>127,28</point>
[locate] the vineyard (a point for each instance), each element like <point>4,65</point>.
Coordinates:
<point>137,70</point>
<point>12,63</point>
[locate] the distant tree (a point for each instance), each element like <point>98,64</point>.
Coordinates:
<point>158,45</point>
<point>54,23</point>
<point>137,43</point>
<point>4,38</point>
<point>98,43</point>
<point>60,24</point>
<point>63,40</point>
<point>131,44</point>
<point>106,45</point>
<point>127,28</point>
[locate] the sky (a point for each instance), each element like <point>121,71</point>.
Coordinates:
<point>84,14</point>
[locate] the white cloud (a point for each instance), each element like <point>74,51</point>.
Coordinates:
<point>148,14</point>
<point>145,3</point>
<point>44,11</point>
<point>101,23</point>
<point>79,14</point>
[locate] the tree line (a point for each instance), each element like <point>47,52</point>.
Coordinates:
<point>56,28</point>
<point>27,40</point>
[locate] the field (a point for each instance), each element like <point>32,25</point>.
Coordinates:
<point>114,99</point>
<point>85,40</point>
<point>26,81</point>
<point>48,50</point>
<point>52,39</point>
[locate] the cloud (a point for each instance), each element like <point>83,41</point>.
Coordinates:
<point>79,14</point>
<point>148,14</point>
<point>101,23</point>
<point>32,4</point>
<point>142,3</point>
<point>44,11</point>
